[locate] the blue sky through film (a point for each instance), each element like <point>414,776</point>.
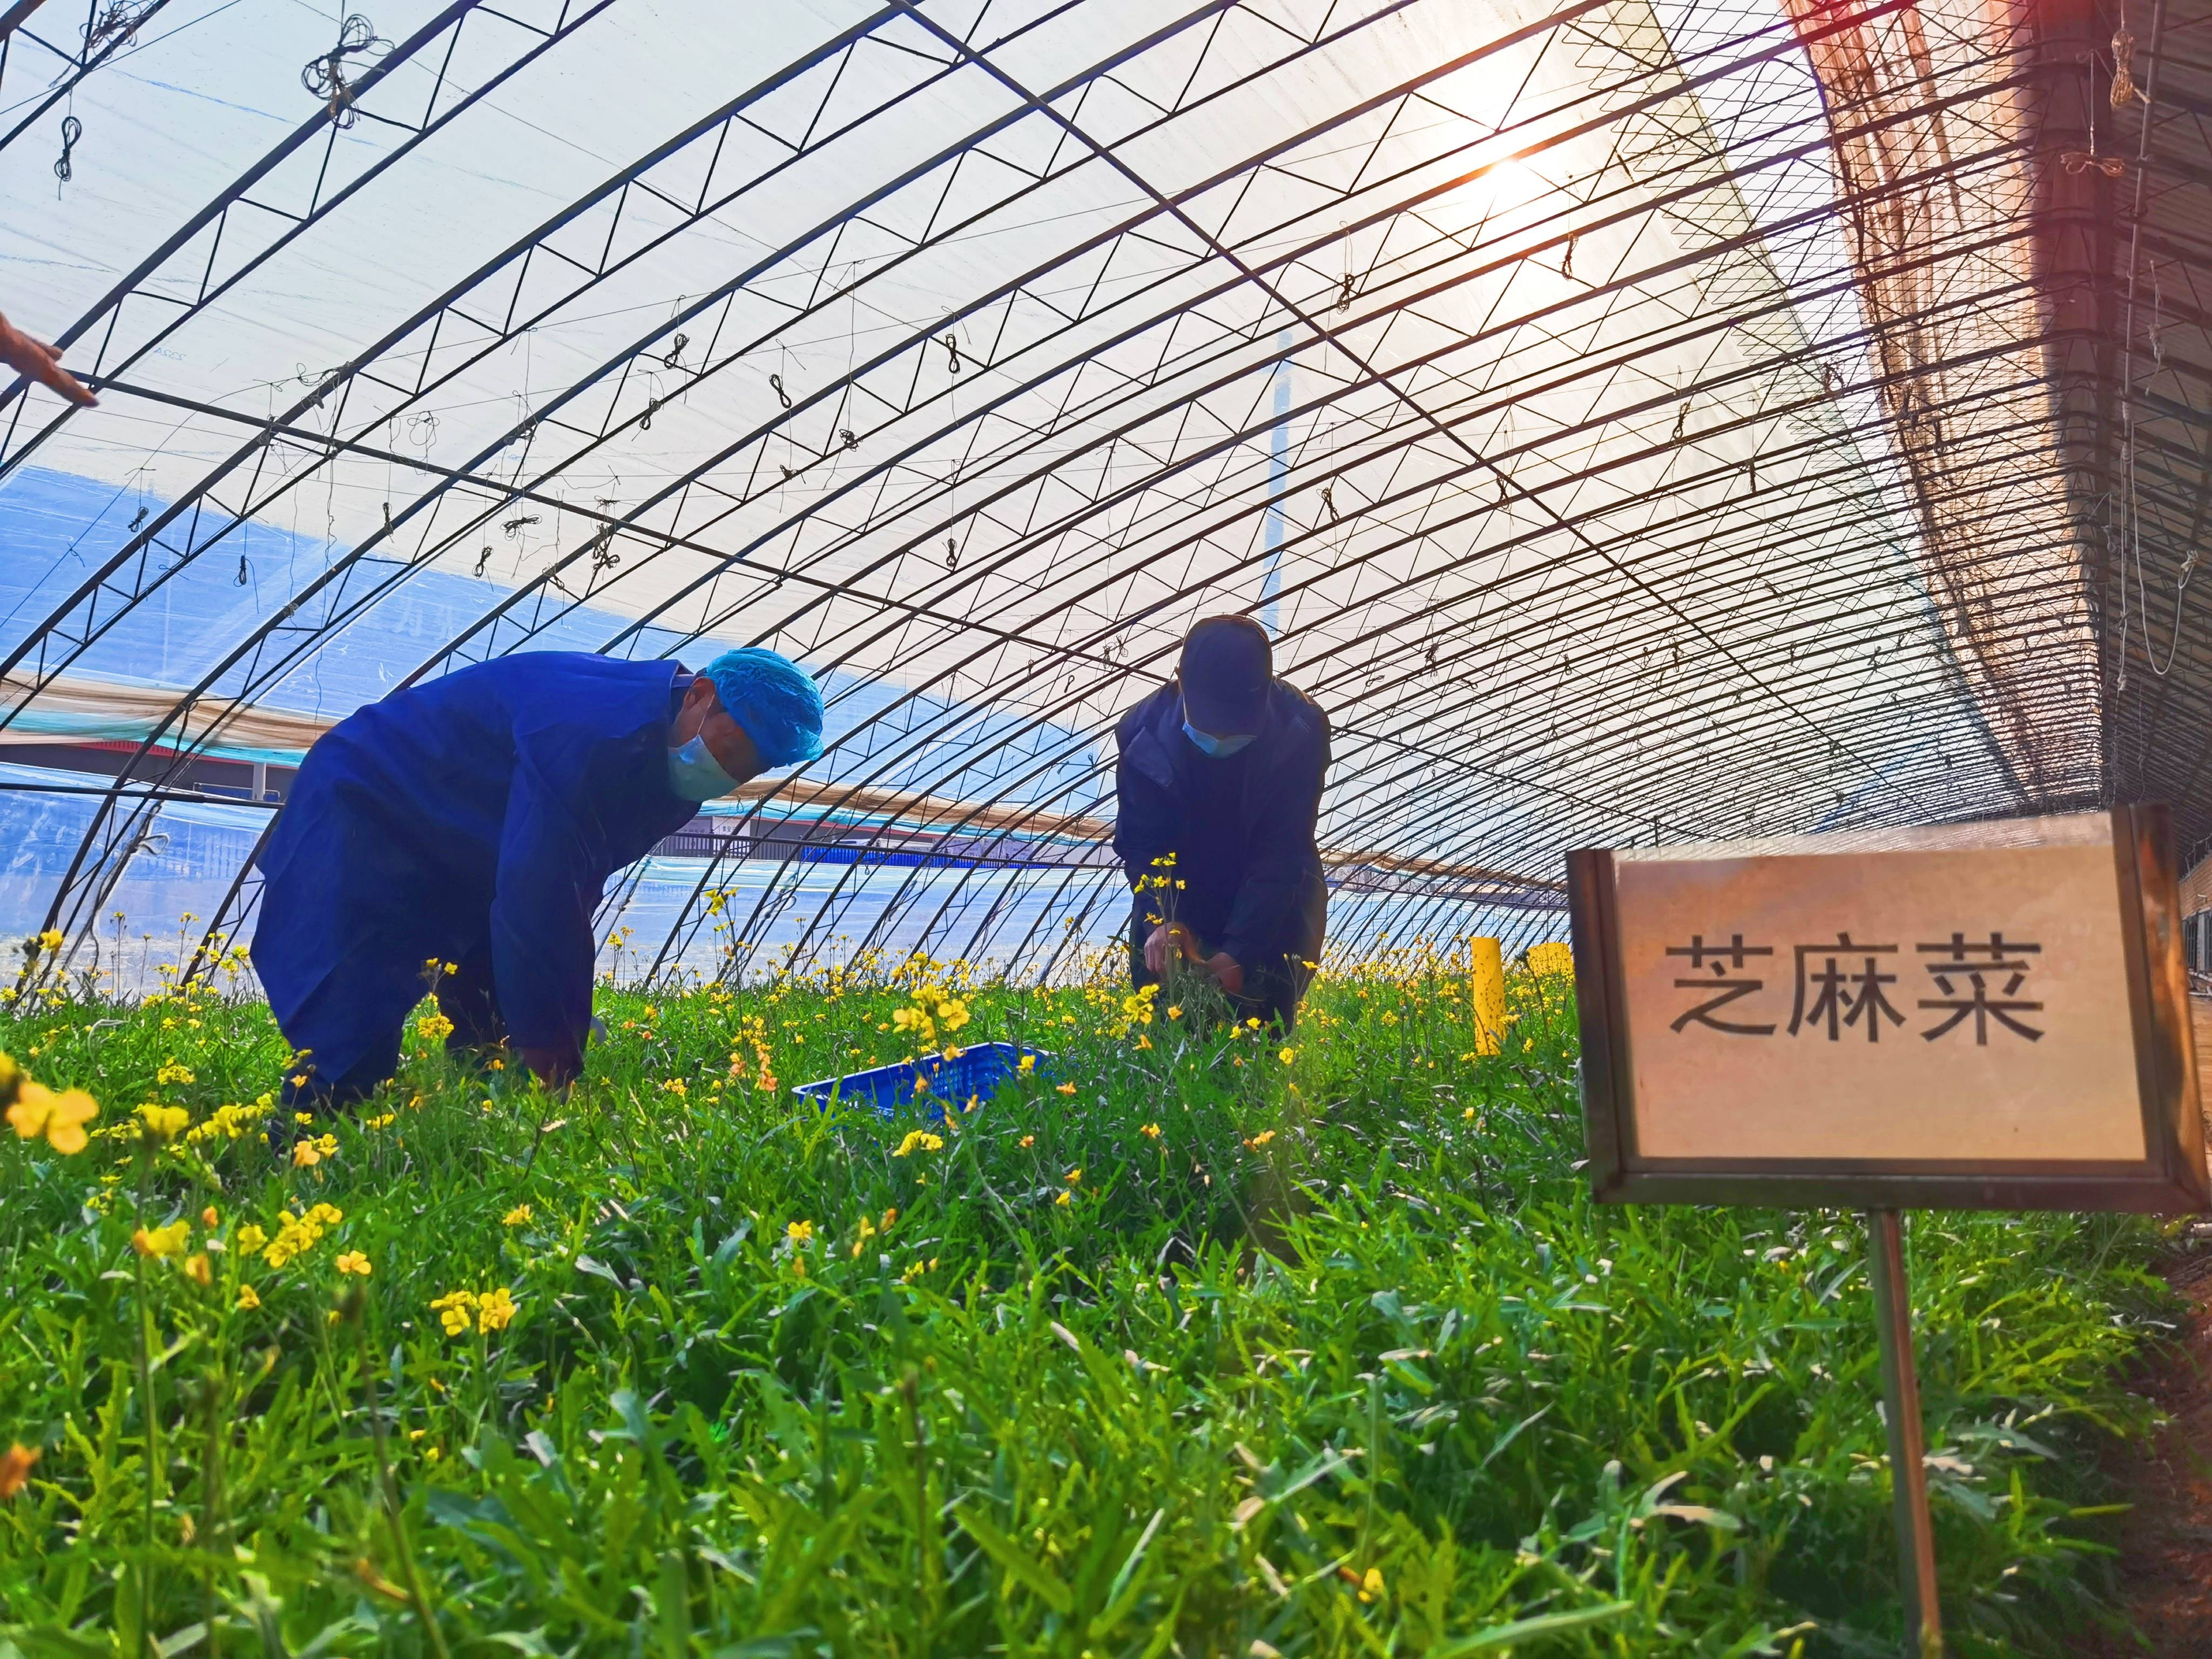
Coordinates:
<point>57,529</point>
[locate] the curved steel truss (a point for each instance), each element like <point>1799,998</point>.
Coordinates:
<point>1632,420</point>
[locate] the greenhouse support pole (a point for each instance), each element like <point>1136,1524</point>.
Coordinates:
<point>16,14</point>
<point>1900,1400</point>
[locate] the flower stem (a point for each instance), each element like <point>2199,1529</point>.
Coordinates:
<point>394,1516</point>
<point>149,1415</point>
<point>211,1516</point>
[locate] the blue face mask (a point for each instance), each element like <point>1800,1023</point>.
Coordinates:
<point>1208,745</point>
<point>694,774</point>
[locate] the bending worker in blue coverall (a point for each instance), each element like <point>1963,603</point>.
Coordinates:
<point>1223,769</point>
<point>474,820</point>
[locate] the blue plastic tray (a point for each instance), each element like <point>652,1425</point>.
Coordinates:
<point>982,1067</point>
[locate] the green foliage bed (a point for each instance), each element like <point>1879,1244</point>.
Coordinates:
<point>1228,1351</point>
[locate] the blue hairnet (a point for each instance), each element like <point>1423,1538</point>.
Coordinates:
<point>773,699</point>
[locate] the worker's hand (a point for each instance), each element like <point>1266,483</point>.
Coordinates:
<point>555,1068</point>
<point>1227,972</point>
<point>42,363</point>
<point>1168,941</point>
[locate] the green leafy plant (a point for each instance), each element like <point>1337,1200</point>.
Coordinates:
<point>1201,1340</point>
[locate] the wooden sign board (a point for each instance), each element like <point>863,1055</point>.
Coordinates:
<point>1989,1016</point>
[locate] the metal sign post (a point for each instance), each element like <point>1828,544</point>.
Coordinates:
<point>1900,1405</point>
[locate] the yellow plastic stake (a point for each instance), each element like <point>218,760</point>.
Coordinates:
<point>1551,960</point>
<point>1485,984</point>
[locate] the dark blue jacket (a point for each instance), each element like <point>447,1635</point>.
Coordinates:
<point>1248,851</point>
<point>481,811</point>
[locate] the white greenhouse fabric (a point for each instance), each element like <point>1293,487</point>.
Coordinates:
<point>1513,366</point>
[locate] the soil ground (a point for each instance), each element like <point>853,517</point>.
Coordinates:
<point>2165,1565</point>
<point>2166,1562</point>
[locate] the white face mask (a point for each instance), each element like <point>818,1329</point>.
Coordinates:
<point>694,775</point>
<point>1218,748</point>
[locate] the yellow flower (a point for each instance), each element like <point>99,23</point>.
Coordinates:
<point>1029,1140</point>
<point>1067,1088</point>
<point>51,938</point>
<point>1175,1011</point>
<point>1470,1112</point>
<point>1372,1585</point>
<point>675,1085</point>
<point>306,1154</point>
<point>197,1270</point>
<point>250,1239</point>
<point>1262,1139</point>
<point>456,1311</point>
<point>297,1234</point>
<point>1028,1063</point>
<point>59,1117</point>
<point>354,1263</point>
<point>163,1241</point>
<point>517,1217</point>
<point>209,1218</point>
<point>1151,1129</point>
<point>434,1028</point>
<point>495,1311</point>
<point>248,1298</point>
<point>16,1469</point>
<point>1074,1176</point>
<point>800,1232</point>
<point>1062,1198</point>
<point>922,1139</point>
<point>1287,1055</point>
<point>163,1123</point>
<point>172,1072</point>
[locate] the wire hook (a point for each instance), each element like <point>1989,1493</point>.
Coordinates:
<point>72,129</point>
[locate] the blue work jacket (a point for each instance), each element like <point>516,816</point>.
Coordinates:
<point>481,812</point>
<point>1242,830</point>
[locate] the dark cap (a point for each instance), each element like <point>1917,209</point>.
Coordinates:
<point>1226,666</point>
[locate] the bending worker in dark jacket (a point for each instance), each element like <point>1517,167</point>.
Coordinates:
<point>1223,768</point>
<point>474,820</point>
